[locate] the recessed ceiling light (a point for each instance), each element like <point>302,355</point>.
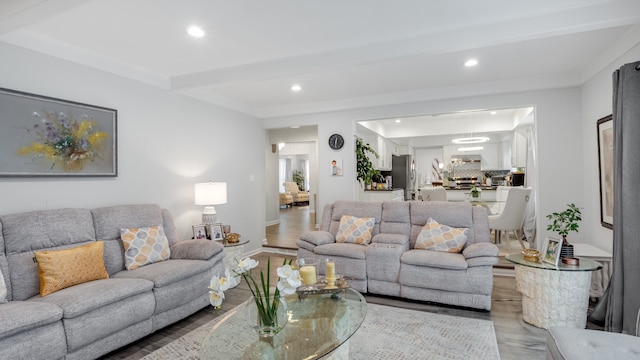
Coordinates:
<point>295,126</point>
<point>471,63</point>
<point>398,121</point>
<point>494,112</point>
<point>296,87</point>
<point>195,31</point>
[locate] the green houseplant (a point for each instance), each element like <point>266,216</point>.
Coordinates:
<point>298,177</point>
<point>364,167</point>
<point>564,222</point>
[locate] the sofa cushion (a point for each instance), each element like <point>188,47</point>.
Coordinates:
<point>83,298</point>
<point>24,233</point>
<point>457,215</point>
<point>434,259</point>
<point>318,237</point>
<point>354,208</point>
<point>197,249</point>
<point>439,237</point>
<point>355,230</point>
<point>480,250</point>
<point>20,316</point>
<point>353,251</point>
<point>61,269</point>
<point>144,245</point>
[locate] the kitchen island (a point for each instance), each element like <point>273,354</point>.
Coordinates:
<point>394,194</point>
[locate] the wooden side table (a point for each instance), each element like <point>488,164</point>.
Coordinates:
<point>554,295</point>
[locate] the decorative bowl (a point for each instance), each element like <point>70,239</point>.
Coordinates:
<point>531,255</point>
<point>233,238</point>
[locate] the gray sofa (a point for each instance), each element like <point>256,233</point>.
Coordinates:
<point>391,266</point>
<point>91,319</point>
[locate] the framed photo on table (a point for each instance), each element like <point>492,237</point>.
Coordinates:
<point>215,231</point>
<point>551,253</point>
<point>605,167</point>
<point>200,231</point>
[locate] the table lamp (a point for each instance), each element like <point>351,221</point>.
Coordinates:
<point>209,194</point>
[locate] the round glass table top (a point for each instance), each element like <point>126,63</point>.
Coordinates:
<point>316,326</point>
<point>230,244</point>
<point>585,264</point>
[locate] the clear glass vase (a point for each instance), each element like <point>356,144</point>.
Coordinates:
<point>267,315</point>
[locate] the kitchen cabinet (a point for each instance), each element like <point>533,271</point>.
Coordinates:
<point>519,150</point>
<point>384,195</point>
<point>490,157</point>
<point>385,150</point>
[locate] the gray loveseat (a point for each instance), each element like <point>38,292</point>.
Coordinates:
<point>391,266</point>
<point>91,319</point>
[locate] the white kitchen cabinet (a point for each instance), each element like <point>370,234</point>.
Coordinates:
<point>490,157</point>
<point>385,151</point>
<point>384,195</point>
<point>519,150</point>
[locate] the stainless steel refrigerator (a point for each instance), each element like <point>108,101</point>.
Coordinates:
<point>403,172</point>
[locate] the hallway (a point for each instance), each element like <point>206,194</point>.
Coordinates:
<point>294,221</point>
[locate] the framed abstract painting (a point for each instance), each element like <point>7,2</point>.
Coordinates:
<point>44,136</point>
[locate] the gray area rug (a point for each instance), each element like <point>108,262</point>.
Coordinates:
<point>386,333</point>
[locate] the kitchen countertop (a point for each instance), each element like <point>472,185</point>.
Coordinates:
<point>469,189</point>
<point>381,190</point>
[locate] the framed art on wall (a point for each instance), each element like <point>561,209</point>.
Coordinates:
<point>551,253</point>
<point>605,168</point>
<point>44,136</point>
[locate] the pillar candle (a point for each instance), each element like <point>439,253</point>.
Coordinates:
<point>331,270</point>
<point>308,275</point>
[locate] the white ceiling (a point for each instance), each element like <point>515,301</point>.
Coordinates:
<point>345,54</point>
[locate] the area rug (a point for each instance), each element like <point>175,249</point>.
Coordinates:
<point>386,333</point>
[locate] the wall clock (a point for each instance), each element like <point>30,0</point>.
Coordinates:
<point>336,141</point>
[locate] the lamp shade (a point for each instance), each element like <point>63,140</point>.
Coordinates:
<point>211,193</point>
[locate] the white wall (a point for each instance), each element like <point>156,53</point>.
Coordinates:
<point>166,143</point>
<point>558,126</point>
<point>597,94</point>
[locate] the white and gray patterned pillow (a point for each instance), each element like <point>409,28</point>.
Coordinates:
<point>3,289</point>
<point>435,236</point>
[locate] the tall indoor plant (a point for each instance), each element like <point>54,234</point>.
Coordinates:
<point>564,222</point>
<point>364,167</point>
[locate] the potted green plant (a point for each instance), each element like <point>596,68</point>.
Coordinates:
<point>475,193</point>
<point>364,167</point>
<point>298,177</point>
<point>563,223</point>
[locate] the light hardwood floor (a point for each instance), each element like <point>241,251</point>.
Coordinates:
<point>516,339</point>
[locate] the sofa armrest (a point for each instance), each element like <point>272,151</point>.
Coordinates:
<point>199,249</point>
<point>480,250</point>
<point>396,239</point>
<point>318,237</point>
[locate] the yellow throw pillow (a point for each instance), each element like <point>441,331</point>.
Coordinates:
<point>143,246</point>
<point>355,230</point>
<point>434,236</point>
<point>61,269</point>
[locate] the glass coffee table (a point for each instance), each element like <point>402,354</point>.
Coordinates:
<point>317,325</point>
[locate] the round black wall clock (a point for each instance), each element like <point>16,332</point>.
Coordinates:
<point>336,141</point>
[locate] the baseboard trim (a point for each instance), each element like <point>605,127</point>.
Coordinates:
<point>274,222</point>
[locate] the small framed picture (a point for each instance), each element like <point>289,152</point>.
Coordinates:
<point>200,231</point>
<point>551,252</point>
<point>215,231</point>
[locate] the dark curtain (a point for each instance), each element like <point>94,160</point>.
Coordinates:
<point>618,308</point>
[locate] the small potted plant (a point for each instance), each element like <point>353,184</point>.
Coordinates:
<point>475,193</point>
<point>563,223</point>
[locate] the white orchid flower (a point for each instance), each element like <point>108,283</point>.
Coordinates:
<point>231,281</point>
<point>247,264</point>
<point>284,271</point>
<point>216,297</point>
<point>288,285</point>
<point>214,284</point>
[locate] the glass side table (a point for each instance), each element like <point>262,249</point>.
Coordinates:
<point>234,253</point>
<point>554,295</point>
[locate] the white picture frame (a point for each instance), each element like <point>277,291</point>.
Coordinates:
<point>215,231</point>
<point>200,231</point>
<point>551,253</point>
